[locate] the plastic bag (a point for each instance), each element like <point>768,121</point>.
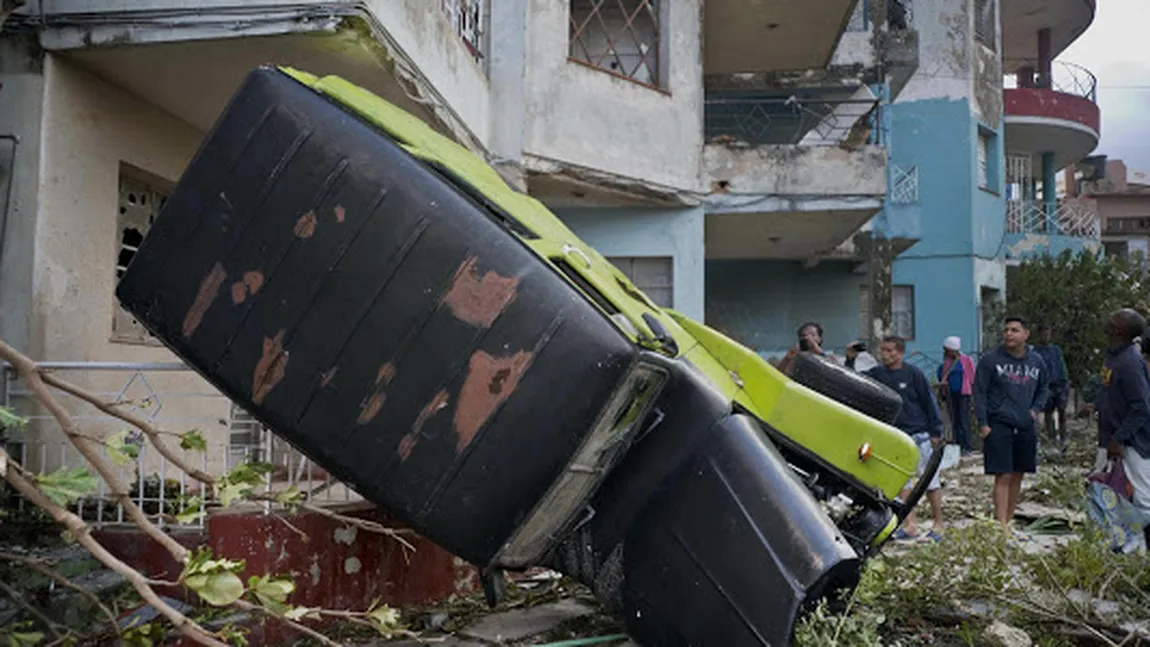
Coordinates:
<point>1108,505</point>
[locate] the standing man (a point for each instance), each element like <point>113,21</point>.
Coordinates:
<point>956,381</point>
<point>1010,388</point>
<point>1124,404</point>
<point>1059,383</point>
<point>919,419</point>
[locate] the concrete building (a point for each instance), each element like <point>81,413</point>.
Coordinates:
<point>729,173</point>
<point>979,153</point>
<point>1121,198</point>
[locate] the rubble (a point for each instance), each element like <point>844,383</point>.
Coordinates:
<point>1000,634</point>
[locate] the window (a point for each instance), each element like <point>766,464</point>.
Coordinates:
<point>902,311</point>
<point>469,19</point>
<point>988,162</point>
<point>619,36</point>
<point>654,276</point>
<point>141,197</point>
<point>986,23</point>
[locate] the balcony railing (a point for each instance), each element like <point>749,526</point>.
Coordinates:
<point>1067,78</point>
<point>1070,218</point>
<point>787,120</point>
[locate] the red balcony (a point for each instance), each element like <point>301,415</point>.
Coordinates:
<point>1055,112</point>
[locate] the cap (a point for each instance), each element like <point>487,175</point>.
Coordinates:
<point>952,343</point>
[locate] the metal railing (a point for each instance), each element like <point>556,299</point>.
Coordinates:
<point>174,399</point>
<point>1065,77</point>
<point>1070,218</point>
<point>787,120</point>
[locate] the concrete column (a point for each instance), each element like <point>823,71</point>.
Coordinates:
<point>1044,59</point>
<point>507,74</point>
<point>880,278</point>
<point>1050,192</point>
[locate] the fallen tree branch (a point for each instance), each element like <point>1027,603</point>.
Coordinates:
<point>40,567</point>
<point>34,378</point>
<point>300,627</point>
<point>155,435</point>
<point>18,598</point>
<point>80,531</point>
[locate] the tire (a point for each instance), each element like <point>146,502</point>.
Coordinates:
<point>855,390</point>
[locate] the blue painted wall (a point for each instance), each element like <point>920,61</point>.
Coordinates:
<point>761,303</point>
<point>956,220</point>
<point>1023,246</point>
<point>677,233</point>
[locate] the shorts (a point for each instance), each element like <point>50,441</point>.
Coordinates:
<point>1056,401</point>
<point>1010,450</point>
<point>925,450</point>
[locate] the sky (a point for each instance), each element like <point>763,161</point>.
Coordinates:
<point>1116,48</point>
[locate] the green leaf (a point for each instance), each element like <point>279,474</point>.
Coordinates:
<point>193,508</point>
<point>290,496</point>
<point>384,619</point>
<point>229,492</point>
<point>193,441</point>
<point>65,485</point>
<point>272,592</point>
<point>203,563</point>
<point>9,419</point>
<point>234,635</point>
<point>301,613</point>
<point>25,639</point>
<point>217,589</point>
<point>120,450</point>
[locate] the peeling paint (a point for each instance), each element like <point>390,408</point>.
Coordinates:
<point>479,301</point>
<point>209,289</point>
<point>249,285</point>
<point>314,571</point>
<point>327,376</point>
<point>490,381</point>
<point>305,226</point>
<point>352,565</point>
<point>345,535</point>
<point>271,367</point>
<point>374,402</point>
<point>407,444</point>
<point>340,213</point>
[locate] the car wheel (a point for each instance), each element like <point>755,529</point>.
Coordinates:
<point>857,391</point>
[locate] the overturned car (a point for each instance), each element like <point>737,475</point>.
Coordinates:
<point>383,300</point>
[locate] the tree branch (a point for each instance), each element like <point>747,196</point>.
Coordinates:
<point>300,627</point>
<point>33,377</point>
<point>33,611</point>
<point>41,568</point>
<point>81,532</point>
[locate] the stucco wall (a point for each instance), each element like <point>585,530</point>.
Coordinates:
<point>20,105</point>
<point>762,303</point>
<point>945,56</point>
<point>677,233</point>
<point>590,118</point>
<point>795,170</point>
<point>89,128</point>
<point>423,31</point>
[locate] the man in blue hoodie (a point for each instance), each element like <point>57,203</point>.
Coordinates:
<point>920,420</point>
<point>1010,389</point>
<point>1059,381</point>
<point>1124,403</point>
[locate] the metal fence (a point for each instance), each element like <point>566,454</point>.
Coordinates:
<point>1065,77</point>
<point>174,399</point>
<point>1070,218</point>
<point>814,120</point>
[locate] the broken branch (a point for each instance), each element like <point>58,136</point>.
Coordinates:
<point>41,568</point>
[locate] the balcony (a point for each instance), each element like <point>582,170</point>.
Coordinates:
<point>827,115</point>
<point>1031,230</point>
<point>1052,112</point>
<point>1022,20</point>
<point>755,36</point>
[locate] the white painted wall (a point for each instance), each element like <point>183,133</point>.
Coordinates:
<point>423,31</point>
<point>586,117</point>
<point>89,128</point>
<point>795,170</point>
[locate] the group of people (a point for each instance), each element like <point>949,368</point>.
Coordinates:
<point>1010,388</point>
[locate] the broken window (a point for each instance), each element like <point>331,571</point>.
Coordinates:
<point>469,18</point>
<point>902,311</point>
<point>620,36</point>
<point>141,197</point>
<point>653,275</point>
<point>986,23</point>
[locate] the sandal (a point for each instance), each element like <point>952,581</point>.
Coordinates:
<point>902,535</point>
<point>933,537</point>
